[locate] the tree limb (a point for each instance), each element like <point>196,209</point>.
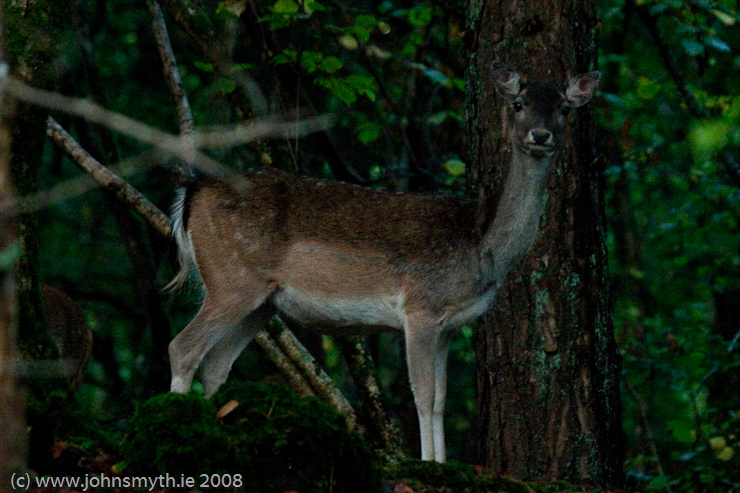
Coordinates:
<point>174,82</point>
<point>287,369</point>
<point>362,369</point>
<point>191,17</point>
<point>648,429</point>
<point>651,23</point>
<point>312,371</point>
<point>107,180</point>
<point>223,136</point>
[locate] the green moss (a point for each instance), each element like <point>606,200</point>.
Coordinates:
<point>63,433</point>
<point>175,434</point>
<point>422,475</point>
<point>274,438</point>
<point>433,477</point>
<point>281,441</point>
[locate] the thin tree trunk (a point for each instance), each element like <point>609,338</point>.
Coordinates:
<point>548,366</point>
<point>31,60</point>
<point>12,444</point>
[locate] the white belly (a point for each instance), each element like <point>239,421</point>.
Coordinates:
<point>311,308</point>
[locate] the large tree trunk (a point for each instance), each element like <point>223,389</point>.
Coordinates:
<point>548,366</point>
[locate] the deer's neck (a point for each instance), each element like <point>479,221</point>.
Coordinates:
<point>514,227</point>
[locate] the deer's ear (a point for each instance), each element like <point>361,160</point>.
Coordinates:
<point>505,80</point>
<point>581,88</point>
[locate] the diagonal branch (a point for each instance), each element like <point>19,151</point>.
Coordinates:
<point>108,180</point>
<point>165,142</point>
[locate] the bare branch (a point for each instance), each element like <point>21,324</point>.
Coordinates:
<point>169,144</point>
<point>171,72</point>
<point>362,369</point>
<point>193,20</point>
<point>287,369</point>
<point>106,179</point>
<point>312,371</point>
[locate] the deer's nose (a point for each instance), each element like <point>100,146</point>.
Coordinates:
<point>540,136</point>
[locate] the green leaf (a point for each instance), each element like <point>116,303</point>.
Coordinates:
<point>455,167</point>
<point>361,33</point>
<point>367,21</point>
<point>368,132</point>
<point>205,67</point>
<point>330,64</point>
<point>692,47</point>
<point>375,172</point>
<point>349,42</point>
<point>9,256</point>
<point>437,77</point>
<point>310,61</point>
<point>231,8</point>
<point>420,16</point>
<point>718,44</point>
<point>374,51</point>
<point>311,6</point>
<point>724,18</point>
<point>646,88</point>
<point>361,82</point>
<point>658,483</point>
<point>437,118</point>
<point>363,85</point>
<point>339,88</point>
<point>683,431</point>
<point>287,56</point>
<point>285,7</point>
<point>709,137</point>
<point>225,86</point>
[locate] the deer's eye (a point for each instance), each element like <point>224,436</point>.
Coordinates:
<point>565,111</point>
<point>517,106</point>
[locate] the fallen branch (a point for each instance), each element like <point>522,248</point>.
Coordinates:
<point>320,382</point>
<point>362,369</point>
<point>287,369</point>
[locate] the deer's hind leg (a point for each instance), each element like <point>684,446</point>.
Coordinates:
<point>217,363</point>
<point>218,317</point>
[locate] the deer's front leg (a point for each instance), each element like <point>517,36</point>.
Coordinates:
<point>440,392</point>
<point>422,338</point>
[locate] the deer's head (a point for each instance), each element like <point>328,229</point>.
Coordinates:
<point>540,109</point>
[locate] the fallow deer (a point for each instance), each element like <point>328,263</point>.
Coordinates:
<point>343,258</point>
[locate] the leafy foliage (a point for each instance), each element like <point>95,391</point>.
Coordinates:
<point>673,207</point>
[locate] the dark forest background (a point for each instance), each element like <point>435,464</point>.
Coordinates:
<point>393,74</point>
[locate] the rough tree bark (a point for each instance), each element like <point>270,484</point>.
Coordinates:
<point>548,366</point>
